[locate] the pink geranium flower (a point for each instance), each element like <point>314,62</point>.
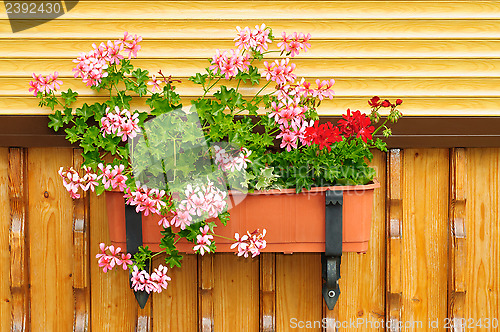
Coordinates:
<point>280,71</point>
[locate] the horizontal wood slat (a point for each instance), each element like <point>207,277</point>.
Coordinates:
<point>412,106</point>
<point>321,49</point>
<point>355,87</point>
<point>334,68</point>
<point>215,10</point>
<point>215,30</point>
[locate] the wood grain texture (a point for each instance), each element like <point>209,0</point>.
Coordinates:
<point>413,106</point>
<point>457,287</point>
<point>370,28</point>
<point>206,285</point>
<point>267,308</point>
<point>167,48</point>
<point>363,275</point>
<point>299,301</point>
<point>50,250</point>
<point>144,321</point>
<point>212,10</point>
<point>336,68</point>
<point>5,221</point>
<point>425,243</point>
<point>176,308</point>
<point>394,238</point>
<point>81,275</point>
<point>113,305</point>
<point>350,87</point>
<point>483,250</point>
<point>19,241</point>
<point>236,293</point>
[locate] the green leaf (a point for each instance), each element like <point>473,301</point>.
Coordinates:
<point>91,159</point>
<point>224,218</point>
<point>126,67</point>
<point>56,120</point>
<point>69,97</point>
<point>71,134</point>
<point>174,259</point>
<point>68,116</point>
<point>199,78</point>
<point>85,112</point>
<point>141,75</point>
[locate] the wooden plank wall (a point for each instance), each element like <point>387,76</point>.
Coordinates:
<point>434,255</point>
<point>441,57</point>
<point>434,251</point>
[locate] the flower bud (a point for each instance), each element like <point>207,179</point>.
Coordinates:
<point>385,103</point>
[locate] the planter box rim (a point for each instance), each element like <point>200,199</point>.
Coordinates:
<point>373,185</point>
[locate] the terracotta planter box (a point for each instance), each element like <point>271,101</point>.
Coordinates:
<point>294,222</point>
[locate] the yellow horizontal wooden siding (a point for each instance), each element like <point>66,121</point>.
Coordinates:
<point>440,57</point>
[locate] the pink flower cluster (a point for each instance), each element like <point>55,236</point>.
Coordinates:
<point>289,110</point>
<point>156,282</point>
<point>257,39</point>
<point>227,162</point>
<point>203,240</point>
<point>145,200</point>
<point>121,123</point>
<point>199,201</point>
<point>131,44</point>
<point>324,89</point>
<point>229,63</point>
<point>115,258</point>
<point>280,71</point>
<point>250,243</point>
<point>113,177</point>
<point>45,84</point>
<point>294,43</point>
<point>72,180</point>
<point>91,66</point>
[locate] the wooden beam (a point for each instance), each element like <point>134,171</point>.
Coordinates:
<point>19,239</point>
<point>81,270</point>
<point>205,293</point>
<point>267,292</point>
<point>394,237</point>
<point>457,244</point>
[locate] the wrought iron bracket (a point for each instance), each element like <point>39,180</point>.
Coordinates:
<point>331,259</point>
<point>133,229</point>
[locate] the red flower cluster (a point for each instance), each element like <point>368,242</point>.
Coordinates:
<point>357,124</point>
<point>323,135</point>
<point>376,102</point>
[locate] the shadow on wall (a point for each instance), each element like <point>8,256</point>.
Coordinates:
<point>28,14</point>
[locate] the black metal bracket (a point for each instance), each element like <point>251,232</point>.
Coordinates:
<point>133,229</point>
<point>331,259</point>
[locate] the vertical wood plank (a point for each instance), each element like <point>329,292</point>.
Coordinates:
<point>483,249</point>
<point>51,242</point>
<point>145,316</point>
<point>298,292</point>
<point>81,287</point>
<point>18,240</point>
<point>267,308</point>
<point>113,305</point>
<point>458,237</point>
<point>362,281</point>
<point>5,222</point>
<point>206,285</point>
<point>236,293</point>
<point>176,308</point>
<point>425,249</point>
<point>394,238</point>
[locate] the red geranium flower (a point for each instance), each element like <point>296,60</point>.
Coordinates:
<point>374,102</point>
<point>357,124</point>
<point>323,135</point>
